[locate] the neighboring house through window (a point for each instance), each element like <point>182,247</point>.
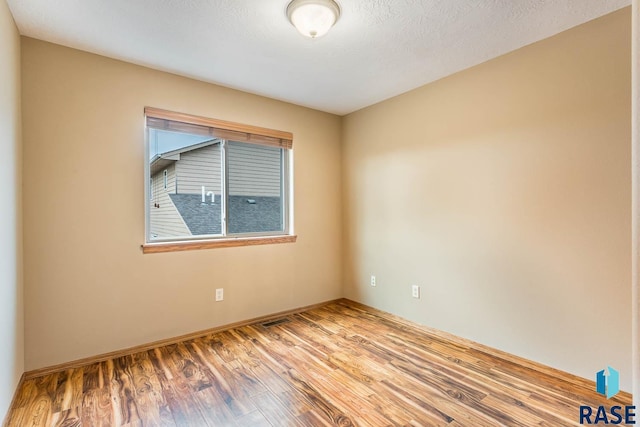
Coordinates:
<point>221,180</point>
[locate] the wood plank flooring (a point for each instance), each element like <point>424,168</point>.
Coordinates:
<point>342,364</point>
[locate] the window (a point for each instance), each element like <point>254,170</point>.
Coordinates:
<point>223,182</point>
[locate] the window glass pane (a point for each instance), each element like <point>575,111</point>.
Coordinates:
<point>255,188</point>
<point>185,185</point>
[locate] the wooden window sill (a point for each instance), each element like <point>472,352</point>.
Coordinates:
<point>152,248</point>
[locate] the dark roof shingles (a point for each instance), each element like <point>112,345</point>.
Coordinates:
<point>244,217</point>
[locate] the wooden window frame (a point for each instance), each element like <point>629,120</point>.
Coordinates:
<point>181,122</point>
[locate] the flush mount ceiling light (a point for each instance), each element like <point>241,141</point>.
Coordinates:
<point>313,18</point>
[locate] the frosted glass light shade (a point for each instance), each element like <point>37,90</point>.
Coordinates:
<point>313,18</point>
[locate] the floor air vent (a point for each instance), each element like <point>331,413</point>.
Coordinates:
<point>275,322</point>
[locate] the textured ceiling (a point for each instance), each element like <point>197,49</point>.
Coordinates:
<point>378,48</point>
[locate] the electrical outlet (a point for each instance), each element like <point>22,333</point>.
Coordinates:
<point>415,291</point>
<point>373,280</point>
<point>219,294</point>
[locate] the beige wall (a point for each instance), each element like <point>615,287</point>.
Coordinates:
<point>504,192</point>
<point>11,306</point>
<point>88,287</point>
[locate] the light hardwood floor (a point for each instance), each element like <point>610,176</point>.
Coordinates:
<point>341,364</point>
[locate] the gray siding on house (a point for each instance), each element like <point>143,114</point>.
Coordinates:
<point>254,170</point>
<point>199,167</point>
<point>254,174</point>
<point>158,181</point>
<point>165,221</point>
